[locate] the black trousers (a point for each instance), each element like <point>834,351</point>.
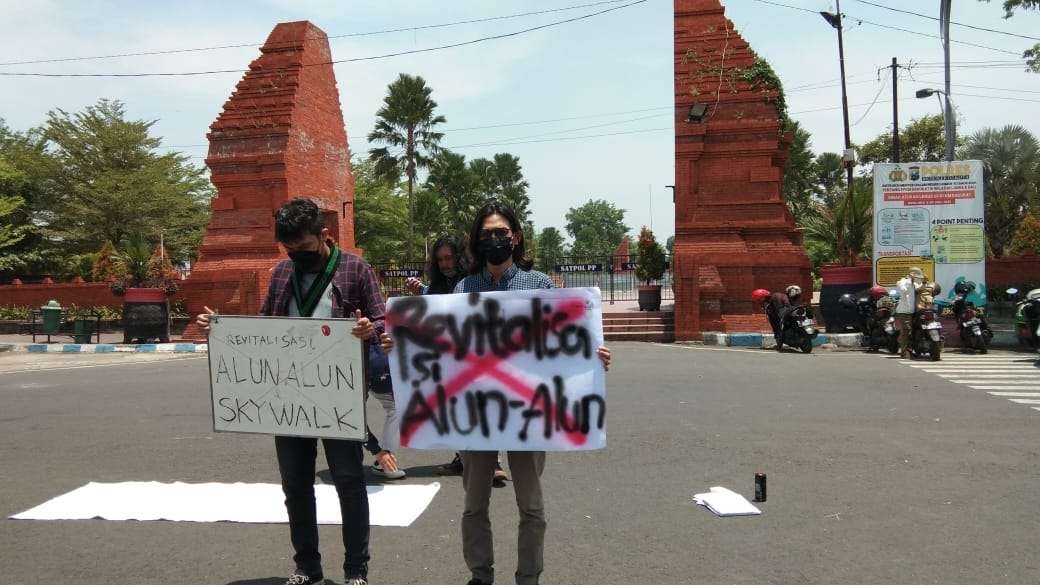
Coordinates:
<point>296,459</point>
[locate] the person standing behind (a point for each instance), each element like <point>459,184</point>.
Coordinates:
<point>320,281</point>
<point>497,246</point>
<point>447,266</point>
<point>907,287</point>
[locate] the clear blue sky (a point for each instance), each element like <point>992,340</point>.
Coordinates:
<point>616,62</point>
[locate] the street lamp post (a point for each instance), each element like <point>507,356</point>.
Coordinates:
<point>947,110</point>
<point>835,21</point>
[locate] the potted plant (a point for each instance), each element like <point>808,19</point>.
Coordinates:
<point>650,267</point>
<point>146,283</point>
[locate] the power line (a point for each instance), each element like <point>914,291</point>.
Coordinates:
<point>339,36</point>
<point>971,26</point>
<point>356,59</point>
<point>913,32</point>
<point>568,138</point>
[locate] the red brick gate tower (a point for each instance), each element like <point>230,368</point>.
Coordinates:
<point>281,135</point>
<point>734,232</point>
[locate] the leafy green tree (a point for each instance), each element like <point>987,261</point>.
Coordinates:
<point>1032,56</point>
<point>503,178</point>
<point>800,173</point>
<point>550,247</point>
<point>406,126</point>
<point>830,178</point>
<point>923,139</point>
<point>596,228</point>
<point>24,186</point>
<point>670,244</point>
<point>1027,237</point>
<point>456,185</point>
<point>431,216</point>
<point>1011,158</point>
<point>109,184</point>
<point>378,210</point>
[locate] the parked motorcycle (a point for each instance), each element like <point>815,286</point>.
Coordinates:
<point>1027,317</point>
<point>798,329</point>
<point>926,337</point>
<point>974,331</point>
<point>877,323</point>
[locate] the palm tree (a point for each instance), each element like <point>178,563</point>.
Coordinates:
<point>844,227</point>
<point>1011,163</point>
<point>405,125</point>
<point>457,186</point>
<point>511,186</point>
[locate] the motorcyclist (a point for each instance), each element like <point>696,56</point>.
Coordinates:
<point>774,305</point>
<point>907,287</point>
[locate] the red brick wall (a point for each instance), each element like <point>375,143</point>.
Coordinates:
<point>1018,270</point>
<point>87,294</point>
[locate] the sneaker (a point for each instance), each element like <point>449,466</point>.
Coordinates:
<point>379,471</point>
<point>300,579</point>
<point>453,468</point>
<point>500,478</point>
<point>356,581</point>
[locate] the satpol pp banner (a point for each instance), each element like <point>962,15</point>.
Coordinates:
<point>931,215</point>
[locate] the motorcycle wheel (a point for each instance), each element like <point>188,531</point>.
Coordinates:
<point>806,346</point>
<point>934,351</point>
<point>893,346</point>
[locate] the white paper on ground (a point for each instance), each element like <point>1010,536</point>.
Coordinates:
<point>389,505</point>
<point>725,502</point>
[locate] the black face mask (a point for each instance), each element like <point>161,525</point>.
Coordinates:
<point>494,250</point>
<point>306,260</point>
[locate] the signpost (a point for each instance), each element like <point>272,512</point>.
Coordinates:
<point>931,215</point>
<point>287,376</point>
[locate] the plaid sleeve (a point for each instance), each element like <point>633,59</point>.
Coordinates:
<point>279,280</point>
<point>371,296</point>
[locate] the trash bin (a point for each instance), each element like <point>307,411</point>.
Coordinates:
<point>51,313</point>
<point>82,330</point>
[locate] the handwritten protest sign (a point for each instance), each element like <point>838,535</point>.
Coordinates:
<point>287,376</point>
<point>513,370</point>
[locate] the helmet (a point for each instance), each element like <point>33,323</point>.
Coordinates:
<point>793,290</point>
<point>878,292</point>
<point>759,295</point>
<point>916,272</point>
<point>964,287</point>
<point>847,301</point>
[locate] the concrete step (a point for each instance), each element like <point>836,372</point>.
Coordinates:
<point>656,336</point>
<point>639,315</point>
<point>607,322</point>
<point>637,328</point>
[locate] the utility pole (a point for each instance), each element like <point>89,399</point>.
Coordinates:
<point>949,124</point>
<point>895,110</point>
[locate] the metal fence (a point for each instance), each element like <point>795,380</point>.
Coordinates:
<point>614,275</point>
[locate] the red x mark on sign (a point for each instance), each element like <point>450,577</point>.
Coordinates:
<point>490,365</point>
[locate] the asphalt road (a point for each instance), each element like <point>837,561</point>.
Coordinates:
<point>878,473</point>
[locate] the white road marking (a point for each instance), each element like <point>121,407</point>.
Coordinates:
<point>1009,377</point>
<point>1016,394</point>
<point>1024,401</point>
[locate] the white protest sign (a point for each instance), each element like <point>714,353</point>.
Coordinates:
<point>287,376</point>
<point>931,215</point>
<point>512,370</point>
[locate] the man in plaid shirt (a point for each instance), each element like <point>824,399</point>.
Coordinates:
<point>321,281</point>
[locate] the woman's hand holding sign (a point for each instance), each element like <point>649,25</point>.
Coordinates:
<point>202,320</point>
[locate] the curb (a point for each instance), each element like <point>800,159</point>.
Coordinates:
<point>106,348</point>
<point>766,341</point>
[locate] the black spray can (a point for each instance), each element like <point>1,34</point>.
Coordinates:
<point>760,487</point>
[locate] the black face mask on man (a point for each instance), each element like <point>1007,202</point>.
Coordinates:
<point>306,260</point>
<point>496,250</point>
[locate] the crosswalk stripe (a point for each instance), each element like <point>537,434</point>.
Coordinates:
<point>1036,408</point>
<point>1016,394</point>
<point>992,376</point>
<point>1008,386</point>
<point>976,381</point>
<point>1011,369</point>
<point>1024,400</point>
